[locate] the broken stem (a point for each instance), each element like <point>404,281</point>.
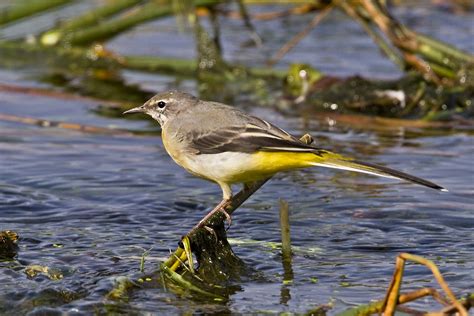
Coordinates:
<point>298,37</point>
<point>285,230</point>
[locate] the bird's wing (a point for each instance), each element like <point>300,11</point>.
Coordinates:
<point>255,135</point>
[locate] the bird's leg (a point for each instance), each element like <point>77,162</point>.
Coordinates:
<point>227,215</point>
<point>219,208</point>
<point>226,200</point>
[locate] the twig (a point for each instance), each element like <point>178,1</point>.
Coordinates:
<point>61,95</point>
<point>188,285</point>
<point>179,260</point>
<point>422,66</point>
<point>65,125</point>
<point>22,9</point>
<point>216,29</point>
<point>87,19</point>
<point>420,92</point>
<point>393,292</point>
<point>467,302</point>
<point>248,23</point>
<point>263,16</point>
<point>285,230</point>
<point>189,254</point>
<point>435,60</point>
<point>392,297</point>
<point>147,12</point>
<point>389,51</point>
<point>445,48</point>
<point>142,259</point>
<point>377,307</point>
<point>298,37</point>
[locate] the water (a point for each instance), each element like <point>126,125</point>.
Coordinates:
<point>88,205</point>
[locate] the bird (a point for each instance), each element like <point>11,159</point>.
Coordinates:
<point>222,144</point>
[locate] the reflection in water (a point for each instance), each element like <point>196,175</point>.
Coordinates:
<point>286,252</point>
<point>285,294</point>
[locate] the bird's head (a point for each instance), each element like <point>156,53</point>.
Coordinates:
<point>166,105</point>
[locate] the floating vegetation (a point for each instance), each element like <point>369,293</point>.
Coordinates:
<point>8,244</point>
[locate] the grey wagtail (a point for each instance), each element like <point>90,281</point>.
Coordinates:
<point>217,142</point>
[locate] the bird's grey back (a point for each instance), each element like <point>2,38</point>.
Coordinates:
<point>219,124</point>
<point>205,117</point>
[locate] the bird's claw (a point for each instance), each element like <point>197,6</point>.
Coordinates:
<point>211,230</point>
<point>228,218</point>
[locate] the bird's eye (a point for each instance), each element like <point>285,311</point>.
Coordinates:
<point>161,104</point>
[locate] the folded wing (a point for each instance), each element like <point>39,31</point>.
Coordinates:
<point>259,135</point>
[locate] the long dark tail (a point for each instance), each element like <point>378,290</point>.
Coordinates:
<point>328,159</point>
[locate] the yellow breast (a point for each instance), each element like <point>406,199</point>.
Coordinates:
<point>174,149</point>
<point>234,167</point>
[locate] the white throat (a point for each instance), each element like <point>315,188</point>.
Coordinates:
<point>159,117</point>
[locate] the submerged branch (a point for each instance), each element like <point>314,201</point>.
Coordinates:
<point>248,24</point>
<point>389,51</point>
<point>61,95</point>
<point>23,9</point>
<point>298,37</point>
<point>87,19</point>
<point>64,125</point>
<point>108,29</point>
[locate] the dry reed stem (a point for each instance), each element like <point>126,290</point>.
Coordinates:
<point>392,297</point>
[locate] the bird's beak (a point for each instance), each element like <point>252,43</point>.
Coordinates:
<point>138,109</point>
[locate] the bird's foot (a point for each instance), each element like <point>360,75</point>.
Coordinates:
<point>228,218</point>
<point>219,208</point>
<point>211,230</point>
